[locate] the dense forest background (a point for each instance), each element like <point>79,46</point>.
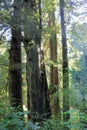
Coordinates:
<point>43,65</point>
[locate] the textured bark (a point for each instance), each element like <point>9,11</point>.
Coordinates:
<point>15,78</point>
<point>65,65</point>
<point>37,95</point>
<point>54,82</point>
<point>33,83</point>
<point>44,100</point>
<point>32,66</point>
<point>43,89</point>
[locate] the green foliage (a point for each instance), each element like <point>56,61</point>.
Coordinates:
<point>3,79</point>
<point>76,121</point>
<point>48,6</point>
<point>79,35</point>
<point>14,120</point>
<point>52,124</point>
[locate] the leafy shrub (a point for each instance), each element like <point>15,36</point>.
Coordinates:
<point>14,120</point>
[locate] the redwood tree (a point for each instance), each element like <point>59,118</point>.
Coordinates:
<point>66,106</point>
<point>37,94</point>
<point>15,77</point>
<point>54,82</point>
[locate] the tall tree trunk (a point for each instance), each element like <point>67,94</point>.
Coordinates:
<point>43,89</point>
<point>37,87</point>
<point>54,82</point>
<point>66,106</point>
<point>33,82</point>
<point>15,77</point>
<point>32,66</point>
